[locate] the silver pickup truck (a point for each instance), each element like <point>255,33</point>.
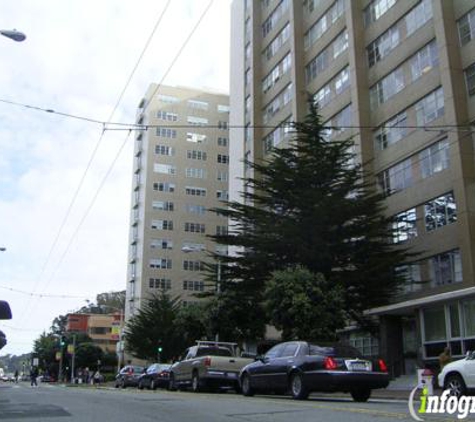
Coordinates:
<point>209,365</point>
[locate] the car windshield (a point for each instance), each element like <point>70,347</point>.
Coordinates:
<point>337,350</point>
<point>213,351</point>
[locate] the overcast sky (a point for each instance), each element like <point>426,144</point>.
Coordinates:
<point>77,59</point>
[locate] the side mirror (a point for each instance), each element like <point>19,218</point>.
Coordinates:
<point>5,311</point>
<point>262,358</point>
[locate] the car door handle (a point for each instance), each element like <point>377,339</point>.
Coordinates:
<point>290,361</point>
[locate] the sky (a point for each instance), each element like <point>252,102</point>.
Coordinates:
<point>65,184</point>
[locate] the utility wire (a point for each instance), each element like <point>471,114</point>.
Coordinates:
<point>59,296</point>
<point>94,152</point>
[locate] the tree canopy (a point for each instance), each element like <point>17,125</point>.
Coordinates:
<point>309,204</point>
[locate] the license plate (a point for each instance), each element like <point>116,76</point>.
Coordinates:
<point>359,366</point>
<point>231,375</point>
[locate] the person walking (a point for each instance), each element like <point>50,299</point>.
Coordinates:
<point>16,375</point>
<point>33,376</point>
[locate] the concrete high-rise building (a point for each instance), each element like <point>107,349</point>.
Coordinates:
<point>398,76</point>
<point>180,171</point>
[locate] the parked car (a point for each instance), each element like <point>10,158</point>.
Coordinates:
<point>156,375</point>
<point>128,376</point>
<point>459,376</point>
<point>46,378</point>
<point>302,368</point>
<point>208,365</point>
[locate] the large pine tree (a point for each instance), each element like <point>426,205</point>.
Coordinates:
<point>309,205</point>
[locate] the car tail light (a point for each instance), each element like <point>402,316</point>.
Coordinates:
<point>207,361</point>
<point>330,363</point>
<point>382,365</point>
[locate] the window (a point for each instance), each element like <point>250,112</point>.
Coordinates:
<point>223,108</point>
<point>392,131</point>
<point>222,176</point>
<point>270,23</point>
<point>339,122</point>
<point>198,105</point>
<point>411,273</point>
<point>321,62</point>
<point>196,137</point>
<point>223,159</point>
<point>404,226</point>
<point>196,155</point>
<point>386,88</point>
<point>440,211</point>
<point>446,268</point>
<point>434,324</point>
<point>160,283</point>
<point>221,230</point>
<point>430,107</point>
<point>197,121</point>
<point>161,244</point>
<point>164,187</point>
<point>222,142</point>
<point>466,26</point>
<point>376,9</point>
<point>194,246</point>
<point>278,103</point>
<point>195,173</point>
<point>434,159</point>
<point>396,178</point>
<point>164,132</point>
<point>195,228</point>
<point>164,150</point>
<point>167,99</point>
<point>164,168</point>
<point>322,25</point>
<point>195,191</point>
<point>162,205</point>
<point>383,45</point>
<point>424,60</point>
<point>222,195</point>
<point>195,209</point>
<point>335,87</point>
<point>418,16</point>
<point>276,73</point>
<point>197,286</point>
<point>470,79</point>
<point>222,125</point>
<point>162,224</point>
<point>166,115</point>
<point>273,48</point>
<point>364,343</point>
<point>193,265</point>
<point>163,263</point>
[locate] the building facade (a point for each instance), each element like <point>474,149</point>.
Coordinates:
<point>398,76</point>
<point>103,329</point>
<point>181,159</point>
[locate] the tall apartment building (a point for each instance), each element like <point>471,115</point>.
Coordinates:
<point>399,77</point>
<point>180,171</point>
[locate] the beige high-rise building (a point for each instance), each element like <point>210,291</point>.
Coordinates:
<point>180,171</point>
<point>399,77</point>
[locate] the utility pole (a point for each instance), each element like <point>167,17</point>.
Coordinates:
<point>73,358</point>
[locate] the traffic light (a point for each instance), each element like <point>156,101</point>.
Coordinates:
<point>62,341</point>
<point>160,349</point>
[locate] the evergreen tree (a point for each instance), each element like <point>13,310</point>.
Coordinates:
<point>309,205</point>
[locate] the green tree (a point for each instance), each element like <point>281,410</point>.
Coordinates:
<point>151,326</point>
<point>88,355</point>
<point>310,204</point>
<point>296,299</point>
<point>191,323</point>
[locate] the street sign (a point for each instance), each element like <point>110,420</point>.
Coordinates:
<point>58,356</point>
<point>70,349</point>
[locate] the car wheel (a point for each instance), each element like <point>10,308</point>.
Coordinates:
<point>246,387</point>
<point>152,385</point>
<point>172,383</point>
<point>298,390</point>
<point>361,395</point>
<point>140,386</point>
<point>455,384</point>
<point>197,385</point>
<point>122,383</point>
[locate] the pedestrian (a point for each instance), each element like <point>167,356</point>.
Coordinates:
<point>33,376</point>
<point>445,358</point>
<point>97,377</point>
<point>16,375</point>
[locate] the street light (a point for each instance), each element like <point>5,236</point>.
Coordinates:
<point>13,34</point>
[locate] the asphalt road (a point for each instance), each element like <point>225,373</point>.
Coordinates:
<point>56,403</point>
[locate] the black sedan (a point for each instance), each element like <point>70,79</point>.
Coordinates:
<point>302,368</point>
<point>156,375</point>
<point>129,376</point>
